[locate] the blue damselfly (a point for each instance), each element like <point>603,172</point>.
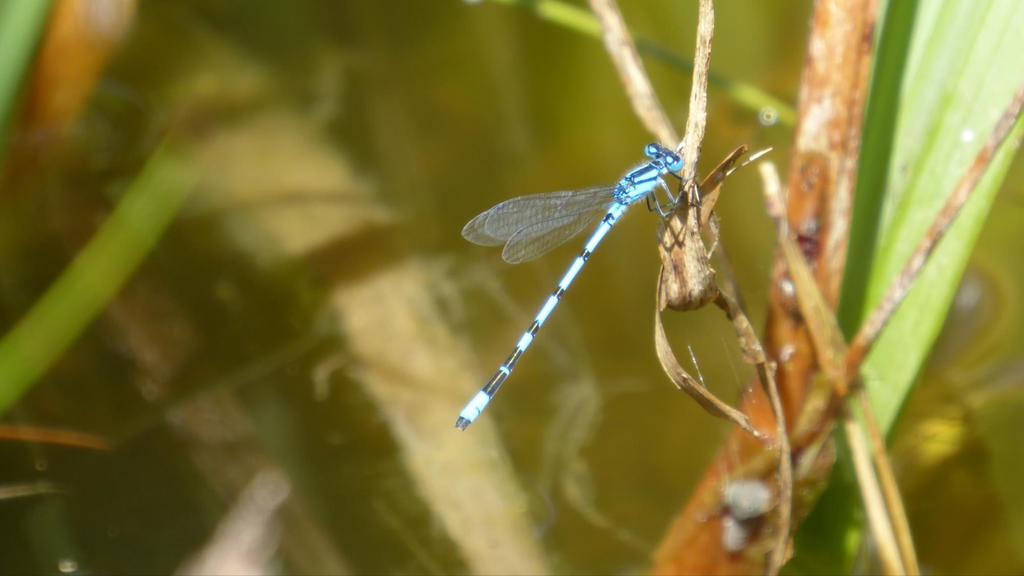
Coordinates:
<point>529,226</point>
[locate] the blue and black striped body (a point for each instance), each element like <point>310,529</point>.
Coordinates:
<point>633,187</point>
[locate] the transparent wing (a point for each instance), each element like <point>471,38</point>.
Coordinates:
<point>531,241</point>
<point>497,225</point>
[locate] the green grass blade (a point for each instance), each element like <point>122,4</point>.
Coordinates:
<point>95,276</point>
<point>581,21</point>
<point>958,77</point>
<point>963,69</point>
<point>21,24</point>
<point>891,56</point>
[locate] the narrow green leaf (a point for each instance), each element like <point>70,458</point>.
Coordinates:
<point>963,68</point>
<point>581,21</point>
<point>95,276</point>
<point>933,103</point>
<point>891,55</point>
<point>21,24</point>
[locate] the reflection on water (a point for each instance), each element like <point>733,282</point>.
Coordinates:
<point>314,315</point>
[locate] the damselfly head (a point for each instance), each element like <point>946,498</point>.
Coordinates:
<point>673,162</point>
<point>670,160</point>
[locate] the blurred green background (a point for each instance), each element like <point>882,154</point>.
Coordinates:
<point>313,311</point>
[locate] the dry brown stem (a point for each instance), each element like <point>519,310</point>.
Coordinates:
<point>881,500</point>
<point>817,207</point>
<point>833,91</point>
<point>822,180</point>
<point>54,436</point>
<point>689,282</point>
<point>686,281</point>
<point>728,299</point>
<point>707,400</point>
<point>697,118</point>
<point>887,482</point>
<point>766,373</point>
<point>684,253</point>
<point>874,504</point>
